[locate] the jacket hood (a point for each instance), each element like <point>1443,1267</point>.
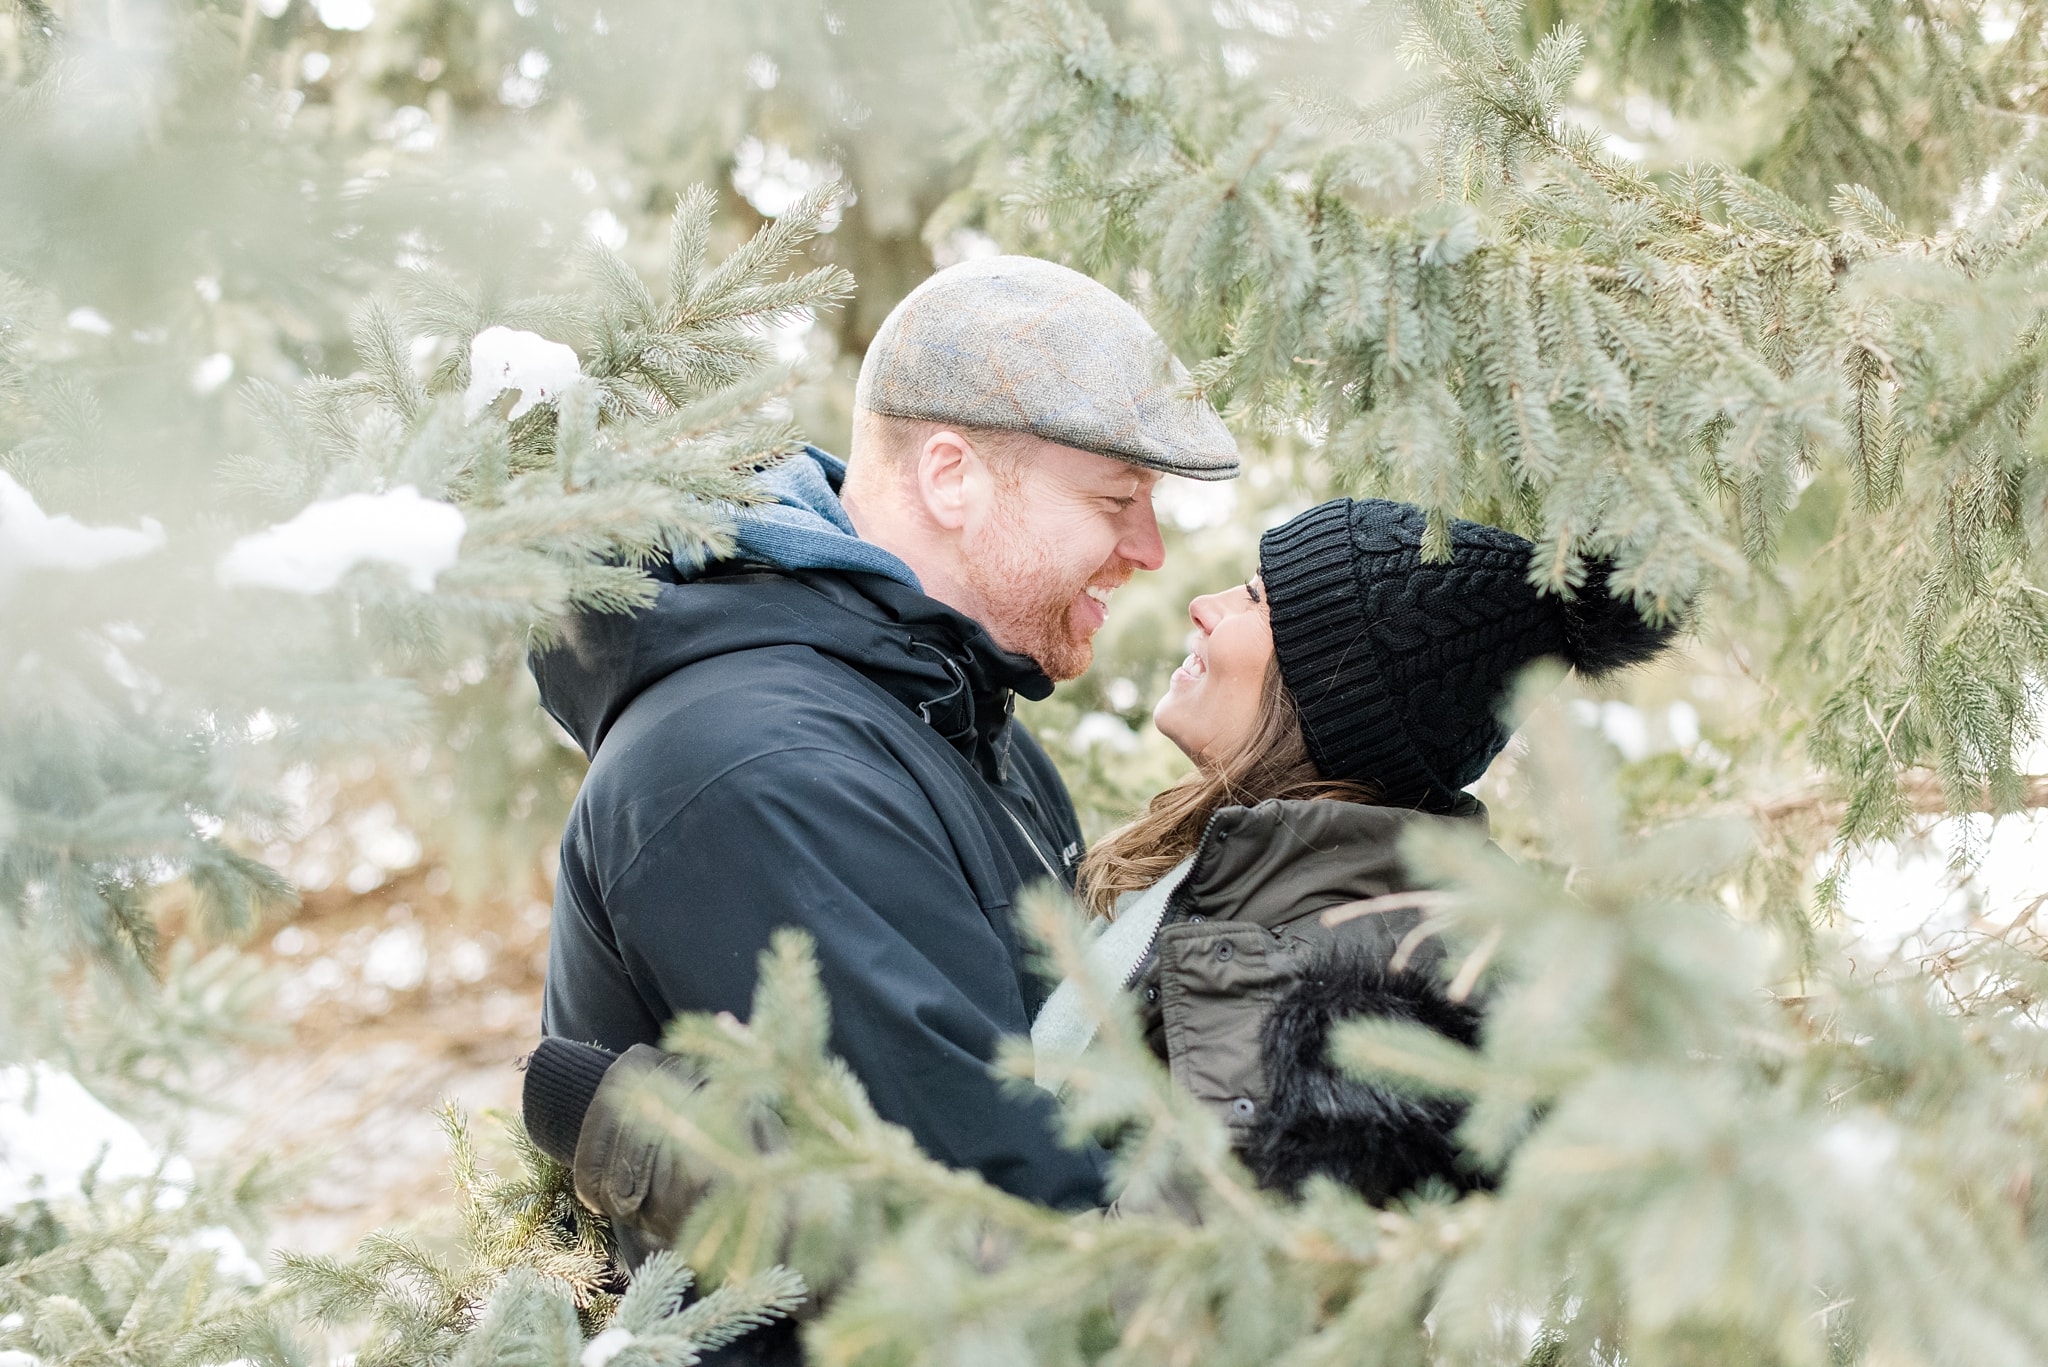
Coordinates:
<point>804,526</point>
<point>942,665</point>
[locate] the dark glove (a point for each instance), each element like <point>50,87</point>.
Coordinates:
<point>596,1113</point>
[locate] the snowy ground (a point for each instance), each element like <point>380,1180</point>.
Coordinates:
<point>402,1001</point>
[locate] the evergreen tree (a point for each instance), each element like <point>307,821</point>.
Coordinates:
<point>170,652</point>
<point>1744,383</point>
<point>134,1274</point>
<point>119,776</point>
<point>637,450</point>
<point>530,1284</point>
<point>1906,100</point>
<point>1690,372</point>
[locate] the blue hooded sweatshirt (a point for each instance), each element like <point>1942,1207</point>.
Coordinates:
<point>807,528</point>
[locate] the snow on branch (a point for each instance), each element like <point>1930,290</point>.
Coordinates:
<point>502,358</point>
<point>53,1132</point>
<point>30,539</point>
<point>311,552</point>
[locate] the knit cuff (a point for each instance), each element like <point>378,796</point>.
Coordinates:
<point>561,1078</point>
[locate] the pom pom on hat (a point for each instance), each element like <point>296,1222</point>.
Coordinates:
<point>1604,633</point>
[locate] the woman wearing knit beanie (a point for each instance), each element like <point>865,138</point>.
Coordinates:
<point>1348,691</point>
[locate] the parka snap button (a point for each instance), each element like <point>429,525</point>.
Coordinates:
<point>1151,994</point>
<point>1243,1107</point>
<point>1196,919</point>
<point>1224,952</point>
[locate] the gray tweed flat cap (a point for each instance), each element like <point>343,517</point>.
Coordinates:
<point>1024,345</point>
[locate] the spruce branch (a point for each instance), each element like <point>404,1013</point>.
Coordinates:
<point>525,1243</point>
<point>1649,371</point>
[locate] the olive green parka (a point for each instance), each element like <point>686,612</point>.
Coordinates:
<point>1249,970</point>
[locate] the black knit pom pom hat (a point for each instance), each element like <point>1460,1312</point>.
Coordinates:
<point>1399,666</point>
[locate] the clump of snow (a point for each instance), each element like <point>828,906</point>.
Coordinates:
<point>30,539</point>
<point>1912,896</point>
<point>1860,1148</point>
<point>605,1347</point>
<point>85,318</point>
<point>772,178</point>
<point>311,552</point>
<point>1103,728</point>
<point>397,959</point>
<point>605,228</point>
<point>213,372</point>
<point>502,358</point>
<point>230,1256</point>
<point>52,1131</point>
<point>119,667</point>
<point>346,16</point>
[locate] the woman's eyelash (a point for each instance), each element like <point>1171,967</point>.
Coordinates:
<point>1253,589</point>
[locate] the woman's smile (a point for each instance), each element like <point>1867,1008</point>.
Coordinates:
<point>1212,702</point>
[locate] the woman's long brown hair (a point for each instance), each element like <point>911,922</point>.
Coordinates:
<point>1273,763</point>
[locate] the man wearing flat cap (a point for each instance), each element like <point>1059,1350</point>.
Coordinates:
<point>816,731</point>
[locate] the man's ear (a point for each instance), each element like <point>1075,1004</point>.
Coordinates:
<point>953,480</point>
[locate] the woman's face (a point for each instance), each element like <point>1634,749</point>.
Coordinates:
<point>1212,706</point>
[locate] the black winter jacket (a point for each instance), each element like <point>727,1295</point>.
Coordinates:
<point>835,752</point>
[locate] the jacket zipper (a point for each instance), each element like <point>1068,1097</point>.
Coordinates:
<point>1178,896</point>
<point>1029,839</point>
<point>923,712</point>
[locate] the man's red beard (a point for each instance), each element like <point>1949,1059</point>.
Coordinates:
<point>1029,607</point>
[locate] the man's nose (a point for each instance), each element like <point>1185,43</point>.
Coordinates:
<point>1141,543</point>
